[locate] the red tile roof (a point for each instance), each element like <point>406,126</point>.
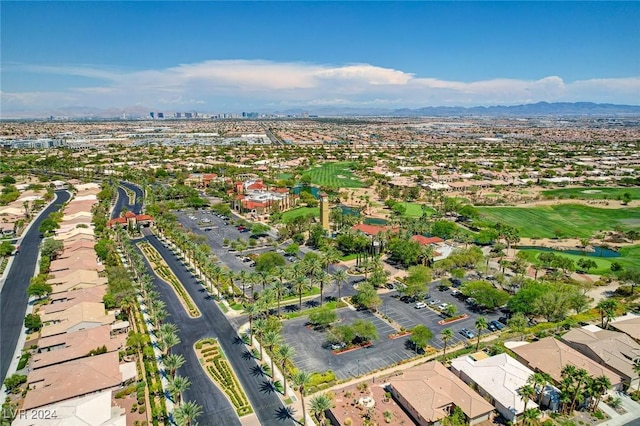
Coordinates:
<point>369,229</point>
<point>422,240</point>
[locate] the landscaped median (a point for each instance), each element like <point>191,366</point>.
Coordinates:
<point>215,363</point>
<point>163,271</point>
<point>453,319</point>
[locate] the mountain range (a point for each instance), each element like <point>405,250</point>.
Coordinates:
<point>526,110</point>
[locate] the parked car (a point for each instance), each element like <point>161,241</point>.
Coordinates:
<point>455,282</point>
<point>467,333</point>
<point>443,306</point>
<point>434,302</point>
<point>407,299</point>
<point>503,320</point>
<point>336,346</point>
<point>455,292</point>
<point>208,228</point>
<point>495,325</point>
<point>245,230</point>
<point>420,305</point>
<point>471,301</point>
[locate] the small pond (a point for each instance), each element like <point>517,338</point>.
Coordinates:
<point>597,251</point>
<point>375,221</point>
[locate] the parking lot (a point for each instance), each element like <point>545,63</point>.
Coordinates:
<point>313,353</point>
<point>407,316</point>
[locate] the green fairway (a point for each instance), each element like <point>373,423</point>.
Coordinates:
<point>334,175</point>
<point>630,258</point>
<point>594,193</point>
<point>300,211</point>
<point>571,220</point>
<point>415,209</point>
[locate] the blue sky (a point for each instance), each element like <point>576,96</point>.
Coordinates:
<point>231,56</point>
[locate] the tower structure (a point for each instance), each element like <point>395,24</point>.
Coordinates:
<point>324,210</point>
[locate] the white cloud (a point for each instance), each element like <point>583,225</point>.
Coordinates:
<point>233,83</point>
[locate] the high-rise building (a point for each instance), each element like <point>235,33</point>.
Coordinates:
<point>161,115</point>
<point>178,115</point>
<point>188,115</point>
<point>152,115</point>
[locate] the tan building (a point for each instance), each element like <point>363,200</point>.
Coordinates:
<point>76,378</point>
<point>82,316</point>
<point>614,350</point>
<point>430,391</point>
<point>550,355</point>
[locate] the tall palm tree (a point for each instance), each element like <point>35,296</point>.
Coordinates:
<point>324,279</point>
<point>607,309</point>
<point>187,413</point>
<point>447,335</point>
<point>167,341</point>
<point>319,404</point>
<point>300,285</point>
<point>168,327</point>
<point>530,416</point>
<point>526,393</point>
<point>278,288</point>
<point>481,324</point>
<point>285,354</point>
<point>271,339</point>
<point>242,276</point>
<point>172,363</point>
<point>341,278</point>
<point>599,386</point>
<point>177,386</point>
<point>301,379</point>
<point>539,379</point>
<point>251,310</point>
<point>259,328</point>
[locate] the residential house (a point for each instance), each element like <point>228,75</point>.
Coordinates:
<point>430,391</point>
<point>499,378</point>
<point>550,355</point>
<point>64,281</point>
<point>628,324</point>
<point>614,350</point>
<point>81,316</point>
<point>80,377</point>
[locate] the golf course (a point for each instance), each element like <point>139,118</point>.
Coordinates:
<point>334,175</point>
<point>562,220</point>
<point>595,193</point>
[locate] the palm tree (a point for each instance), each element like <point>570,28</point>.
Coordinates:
<point>285,354</point>
<point>187,413</point>
<point>271,339</point>
<point>301,379</point>
<point>168,340</point>
<point>242,276</point>
<point>251,310</point>
<point>481,324</point>
<point>323,279</point>
<point>278,289</point>
<point>319,404</point>
<point>177,386</point>
<point>539,379</point>
<point>167,328</point>
<point>598,387</point>
<point>607,309</point>
<point>447,335</point>
<point>341,278</point>
<point>300,285</point>
<point>173,362</point>
<point>530,416</point>
<point>526,393</point>
<point>259,328</point>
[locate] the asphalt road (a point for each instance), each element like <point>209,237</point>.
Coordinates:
<point>213,323</point>
<point>123,200</point>
<point>13,298</point>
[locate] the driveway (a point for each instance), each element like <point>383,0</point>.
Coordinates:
<point>13,297</point>
<point>213,323</point>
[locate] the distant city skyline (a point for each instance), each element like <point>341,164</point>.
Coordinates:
<point>268,56</point>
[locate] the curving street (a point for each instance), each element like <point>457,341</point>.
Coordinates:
<point>13,297</point>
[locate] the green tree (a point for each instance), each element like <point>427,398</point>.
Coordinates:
<point>607,309</point>
<point>187,413</point>
<point>485,293</point>
<point>284,354</point>
<point>33,322</point>
<point>270,340</point>
<point>364,331</point>
<point>447,336</point>
<point>52,248</point>
<point>177,386</point>
<point>323,317</point>
<point>301,379</point>
<point>6,248</point>
<point>417,281</point>
<point>420,336</point>
<point>319,404</point>
<point>481,324</point>
<point>172,363</point>
<point>39,288</point>
<point>267,262</point>
<point>367,296</point>
<point>518,322</point>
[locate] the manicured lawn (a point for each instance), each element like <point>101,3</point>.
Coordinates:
<point>415,209</point>
<point>630,258</point>
<point>301,211</point>
<point>572,220</point>
<point>335,175</point>
<point>594,193</point>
